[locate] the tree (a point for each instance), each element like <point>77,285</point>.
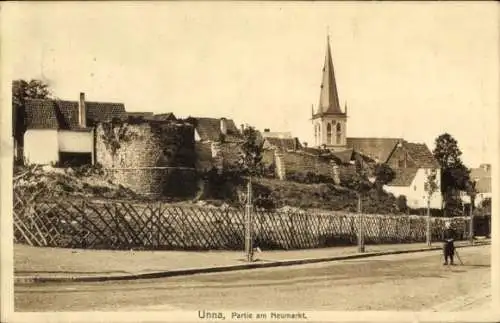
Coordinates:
<point>361,185</point>
<point>454,174</point>
<point>250,159</point>
<point>383,175</point>
<point>34,89</point>
<point>431,186</point>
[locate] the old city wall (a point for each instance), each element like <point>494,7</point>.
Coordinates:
<point>152,158</point>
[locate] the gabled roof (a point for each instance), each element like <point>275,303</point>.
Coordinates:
<point>483,185</point>
<point>403,176</point>
<point>482,176</point>
<point>375,148</point>
<point>421,155</point>
<point>209,129</point>
<point>61,114</point>
<point>283,143</point>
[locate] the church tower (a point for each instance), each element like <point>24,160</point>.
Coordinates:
<point>329,122</point>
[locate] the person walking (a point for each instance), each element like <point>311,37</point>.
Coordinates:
<point>448,246</point>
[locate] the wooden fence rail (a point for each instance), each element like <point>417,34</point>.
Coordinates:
<point>124,225</point>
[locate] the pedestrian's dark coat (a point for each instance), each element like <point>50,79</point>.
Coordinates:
<point>449,236</point>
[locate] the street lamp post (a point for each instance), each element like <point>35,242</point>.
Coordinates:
<point>471,225</point>
<point>248,223</point>
<point>361,233</point>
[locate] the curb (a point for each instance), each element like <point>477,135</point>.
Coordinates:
<point>202,270</point>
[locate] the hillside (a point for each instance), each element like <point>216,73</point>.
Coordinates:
<point>92,182</point>
<point>323,196</point>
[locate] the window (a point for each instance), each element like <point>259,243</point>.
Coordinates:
<point>339,133</point>
<point>414,187</point>
<point>329,134</point>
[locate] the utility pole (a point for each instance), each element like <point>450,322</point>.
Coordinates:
<point>361,238</point>
<point>248,223</point>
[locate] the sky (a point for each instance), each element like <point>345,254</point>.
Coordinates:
<point>410,70</point>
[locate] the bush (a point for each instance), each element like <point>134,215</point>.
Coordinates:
<point>402,203</point>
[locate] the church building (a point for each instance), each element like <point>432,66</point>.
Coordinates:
<point>411,162</point>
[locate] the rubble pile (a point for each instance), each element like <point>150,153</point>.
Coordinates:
<point>48,181</point>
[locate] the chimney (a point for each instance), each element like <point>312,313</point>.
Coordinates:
<point>82,111</point>
<point>305,144</point>
<point>223,126</point>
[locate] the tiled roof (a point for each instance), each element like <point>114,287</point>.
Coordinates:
<point>164,116</point>
<point>421,155</point>
<point>483,185</point>
<point>482,177</point>
<point>283,143</point>
<point>103,111</point>
<point>209,129</point>
<point>59,114</point>
<point>375,148</point>
<point>403,176</point>
<point>477,173</point>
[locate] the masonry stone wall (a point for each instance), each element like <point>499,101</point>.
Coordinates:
<point>297,162</point>
<point>302,163</point>
<point>151,157</point>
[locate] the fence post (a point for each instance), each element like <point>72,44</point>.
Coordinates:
<point>248,224</point>
<point>361,238</point>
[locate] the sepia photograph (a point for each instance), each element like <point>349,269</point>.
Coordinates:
<point>249,161</point>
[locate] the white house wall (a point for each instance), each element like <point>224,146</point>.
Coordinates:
<point>75,141</point>
<point>41,146</point>
<point>416,196</point>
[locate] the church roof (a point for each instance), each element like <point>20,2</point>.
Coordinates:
<point>329,98</point>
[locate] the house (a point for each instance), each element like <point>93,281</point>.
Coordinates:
<point>411,162</point>
<point>217,142</point>
<point>482,177</point>
<point>60,131</point>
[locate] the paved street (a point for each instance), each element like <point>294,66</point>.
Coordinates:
<point>412,282</point>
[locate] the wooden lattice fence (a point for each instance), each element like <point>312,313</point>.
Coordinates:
<point>125,225</point>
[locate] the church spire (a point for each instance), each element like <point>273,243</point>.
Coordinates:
<point>329,98</point>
